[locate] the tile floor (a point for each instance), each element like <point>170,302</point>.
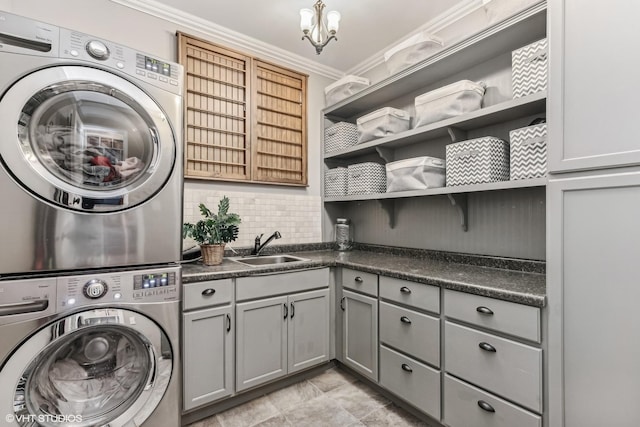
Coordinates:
<point>333,398</point>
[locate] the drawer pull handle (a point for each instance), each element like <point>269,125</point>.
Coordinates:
<point>487,347</point>
<point>342,303</point>
<point>208,292</point>
<point>286,310</point>
<point>407,368</point>
<point>405,290</point>
<point>485,406</point>
<point>359,279</point>
<point>228,323</point>
<point>405,319</point>
<point>484,310</point>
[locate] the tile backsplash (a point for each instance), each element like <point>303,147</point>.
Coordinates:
<point>297,218</point>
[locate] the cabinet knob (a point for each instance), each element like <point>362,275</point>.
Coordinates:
<point>405,290</point>
<point>208,292</point>
<point>485,406</point>
<point>342,303</point>
<point>487,347</point>
<point>228,323</point>
<point>405,319</point>
<point>358,279</point>
<point>293,310</point>
<point>286,310</point>
<point>407,368</point>
<point>484,310</point>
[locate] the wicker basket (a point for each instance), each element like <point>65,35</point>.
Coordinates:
<point>212,254</point>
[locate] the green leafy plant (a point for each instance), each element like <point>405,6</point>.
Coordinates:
<point>214,229</point>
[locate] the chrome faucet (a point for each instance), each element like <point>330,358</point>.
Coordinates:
<point>257,247</point>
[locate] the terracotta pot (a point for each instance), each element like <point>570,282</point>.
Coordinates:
<point>212,254</point>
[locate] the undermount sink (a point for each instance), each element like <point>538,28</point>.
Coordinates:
<point>268,260</point>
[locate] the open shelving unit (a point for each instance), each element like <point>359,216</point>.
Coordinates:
<point>519,30</point>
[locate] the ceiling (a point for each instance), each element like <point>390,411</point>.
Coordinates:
<point>366,28</point>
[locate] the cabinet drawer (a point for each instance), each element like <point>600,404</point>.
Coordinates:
<point>508,317</point>
<point>280,283</point>
<point>414,382</point>
<point>462,408</point>
<point>411,332</point>
<point>512,370</point>
<point>418,295</point>
<point>207,294</point>
<point>360,281</point>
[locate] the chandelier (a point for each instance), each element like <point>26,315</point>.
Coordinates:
<point>314,27</point>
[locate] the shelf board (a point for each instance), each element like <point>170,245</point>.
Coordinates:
<point>474,188</point>
<point>515,32</point>
<point>504,111</point>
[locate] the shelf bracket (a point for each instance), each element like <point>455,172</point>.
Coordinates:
<point>387,154</point>
<point>459,201</point>
<point>389,206</point>
<point>456,134</point>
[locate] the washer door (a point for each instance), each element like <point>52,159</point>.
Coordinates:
<point>85,139</point>
<point>93,368</point>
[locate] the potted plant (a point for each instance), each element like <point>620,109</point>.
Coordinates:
<point>214,231</point>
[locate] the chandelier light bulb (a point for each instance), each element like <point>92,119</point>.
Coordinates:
<point>333,21</point>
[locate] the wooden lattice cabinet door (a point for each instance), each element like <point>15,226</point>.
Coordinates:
<point>216,98</point>
<point>279,123</point>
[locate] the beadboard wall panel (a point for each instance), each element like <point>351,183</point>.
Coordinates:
<point>507,223</point>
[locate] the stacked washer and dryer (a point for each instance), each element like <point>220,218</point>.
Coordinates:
<point>90,220</point>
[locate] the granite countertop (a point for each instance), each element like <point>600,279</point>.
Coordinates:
<point>515,286</point>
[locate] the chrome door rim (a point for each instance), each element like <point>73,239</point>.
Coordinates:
<point>25,167</point>
<point>156,384</point>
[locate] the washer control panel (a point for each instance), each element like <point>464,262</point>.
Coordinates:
<point>119,287</point>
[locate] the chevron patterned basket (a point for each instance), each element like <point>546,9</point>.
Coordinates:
<point>335,182</point>
<point>366,178</point>
<point>529,152</point>
<point>339,136</point>
<point>529,69</point>
<point>477,161</point>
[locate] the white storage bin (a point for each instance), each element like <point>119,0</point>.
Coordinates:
<point>498,10</point>
<point>366,178</point>
<point>335,182</point>
<point>339,136</point>
<point>529,152</point>
<point>477,161</point>
<point>529,69</point>
<point>382,122</point>
<point>344,88</point>
<point>411,51</point>
<point>418,173</point>
<point>448,101</point>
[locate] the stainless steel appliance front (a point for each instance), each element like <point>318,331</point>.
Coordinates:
<point>91,152</point>
<point>91,350</point>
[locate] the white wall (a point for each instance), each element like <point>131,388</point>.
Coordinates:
<point>257,204</point>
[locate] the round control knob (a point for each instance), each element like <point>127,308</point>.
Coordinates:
<point>98,50</point>
<point>95,289</point>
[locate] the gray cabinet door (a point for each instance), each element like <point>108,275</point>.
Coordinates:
<point>308,329</point>
<point>208,355</point>
<point>593,110</point>
<point>360,333</point>
<point>261,341</point>
<point>593,290</point>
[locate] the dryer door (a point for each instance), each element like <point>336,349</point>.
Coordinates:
<point>85,139</point>
<point>93,368</point>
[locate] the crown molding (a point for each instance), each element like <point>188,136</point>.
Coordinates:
<point>232,38</point>
<point>436,24</point>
